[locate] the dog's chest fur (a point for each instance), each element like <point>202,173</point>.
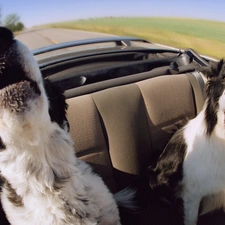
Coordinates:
<point>48,185</point>
<point>204,158</point>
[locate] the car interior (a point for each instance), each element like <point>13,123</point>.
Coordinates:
<point>122,118</point>
<point>121,130</point>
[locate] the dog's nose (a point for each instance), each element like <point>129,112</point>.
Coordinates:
<point>6,39</point>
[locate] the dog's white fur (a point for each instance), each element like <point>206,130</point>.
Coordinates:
<point>204,176</point>
<point>37,152</point>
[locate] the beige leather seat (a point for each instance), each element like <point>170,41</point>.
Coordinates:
<point>119,129</point>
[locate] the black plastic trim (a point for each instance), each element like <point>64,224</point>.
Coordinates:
<point>119,41</point>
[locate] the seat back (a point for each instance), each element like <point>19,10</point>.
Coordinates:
<point>119,130</point>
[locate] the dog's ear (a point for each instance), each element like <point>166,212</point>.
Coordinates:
<point>57,105</point>
<point>215,70</point>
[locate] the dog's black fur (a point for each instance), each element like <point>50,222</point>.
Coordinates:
<point>58,105</point>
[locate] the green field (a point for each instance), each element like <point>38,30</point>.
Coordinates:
<point>206,37</point>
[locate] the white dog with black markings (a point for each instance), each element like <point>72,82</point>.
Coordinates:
<point>43,181</point>
<point>192,165</point>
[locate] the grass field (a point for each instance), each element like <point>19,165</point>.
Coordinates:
<point>206,37</point>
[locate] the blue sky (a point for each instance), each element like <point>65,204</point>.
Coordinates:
<point>37,12</point>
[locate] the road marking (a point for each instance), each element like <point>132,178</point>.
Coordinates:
<point>53,41</point>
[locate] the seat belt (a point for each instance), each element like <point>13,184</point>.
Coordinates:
<point>198,86</point>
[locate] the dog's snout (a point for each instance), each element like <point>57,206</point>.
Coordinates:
<point>16,61</point>
<point>6,39</point>
<point>5,34</point>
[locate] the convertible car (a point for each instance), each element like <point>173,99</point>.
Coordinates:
<point>126,98</point>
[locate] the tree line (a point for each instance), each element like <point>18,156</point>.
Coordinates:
<point>12,21</point>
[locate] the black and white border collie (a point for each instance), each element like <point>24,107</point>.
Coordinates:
<point>192,165</point>
<point>43,181</point>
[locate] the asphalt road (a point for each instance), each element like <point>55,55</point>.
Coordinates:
<point>38,38</point>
